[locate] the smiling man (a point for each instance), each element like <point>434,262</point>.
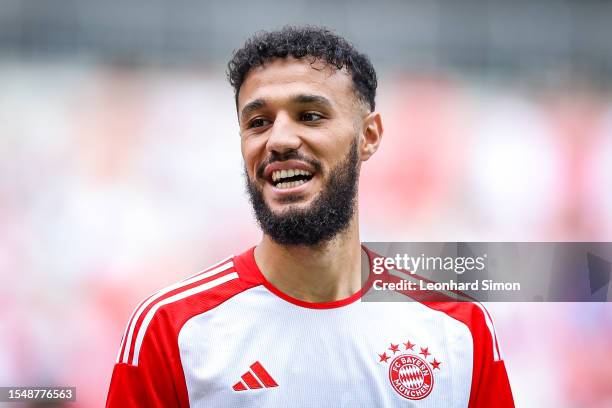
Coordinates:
<point>281,324</point>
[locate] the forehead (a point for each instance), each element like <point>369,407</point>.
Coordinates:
<point>290,76</point>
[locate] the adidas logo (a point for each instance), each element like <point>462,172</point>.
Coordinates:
<point>256,377</point>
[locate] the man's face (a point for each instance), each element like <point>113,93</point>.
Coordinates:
<point>299,125</point>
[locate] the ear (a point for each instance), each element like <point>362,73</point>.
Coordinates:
<point>371,135</point>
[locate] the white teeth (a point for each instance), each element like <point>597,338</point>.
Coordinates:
<point>290,184</point>
<point>281,174</point>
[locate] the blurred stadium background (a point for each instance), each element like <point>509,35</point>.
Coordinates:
<point>120,168</point>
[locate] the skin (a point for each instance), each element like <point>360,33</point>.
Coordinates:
<point>290,104</point>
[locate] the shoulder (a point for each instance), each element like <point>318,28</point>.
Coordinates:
<point>453,304</point>
<point>166,310</point>
<point>477,319</point>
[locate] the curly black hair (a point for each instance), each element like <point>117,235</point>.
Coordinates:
<point>299,42</point>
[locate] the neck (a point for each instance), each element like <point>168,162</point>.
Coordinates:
<point>322,273</point>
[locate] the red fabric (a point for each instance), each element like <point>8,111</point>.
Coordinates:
<point>490,385</point>
<point>158,380</point>
<point>167,295</point>
<point>250,271</point>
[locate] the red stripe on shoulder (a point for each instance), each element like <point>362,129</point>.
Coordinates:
<point>135,322</point>
<point>159,347</point>
<point>456,304</point>
<point>167,318</point>
<point>196,295</point>
<point>472,314</point>
<point>168,295</point>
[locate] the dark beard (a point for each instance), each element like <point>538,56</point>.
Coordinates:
<point>328,215</point>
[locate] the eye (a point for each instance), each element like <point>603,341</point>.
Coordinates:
<point>258,122</point>
<point>311,117</point>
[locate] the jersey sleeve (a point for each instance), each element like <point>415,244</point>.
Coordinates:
<point>493,388</point>
<point>130,387</point>
<point>156,379</point>
<point>490,384</point>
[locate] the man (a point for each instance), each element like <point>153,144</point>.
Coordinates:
<point>281,325</point>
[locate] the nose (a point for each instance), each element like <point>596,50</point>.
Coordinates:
<point>283,136</point>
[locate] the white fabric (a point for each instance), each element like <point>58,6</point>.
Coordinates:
<point>320,357</point>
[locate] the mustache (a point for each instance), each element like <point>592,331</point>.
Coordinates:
<point>290,155</point>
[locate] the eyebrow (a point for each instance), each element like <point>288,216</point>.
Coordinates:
<point>318,99</point>
<point>300,99</point>
<point>250,107</point>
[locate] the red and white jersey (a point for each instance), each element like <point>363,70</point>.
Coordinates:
<point>227,337</point>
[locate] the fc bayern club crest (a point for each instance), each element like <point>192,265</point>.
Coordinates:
<point>411,374</point>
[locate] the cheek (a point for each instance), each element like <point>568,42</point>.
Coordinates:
<point>251,154</point>
<point>246,157</point>
<point>334,146</point>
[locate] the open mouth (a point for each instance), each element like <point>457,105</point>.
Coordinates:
<point>284,179</point>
